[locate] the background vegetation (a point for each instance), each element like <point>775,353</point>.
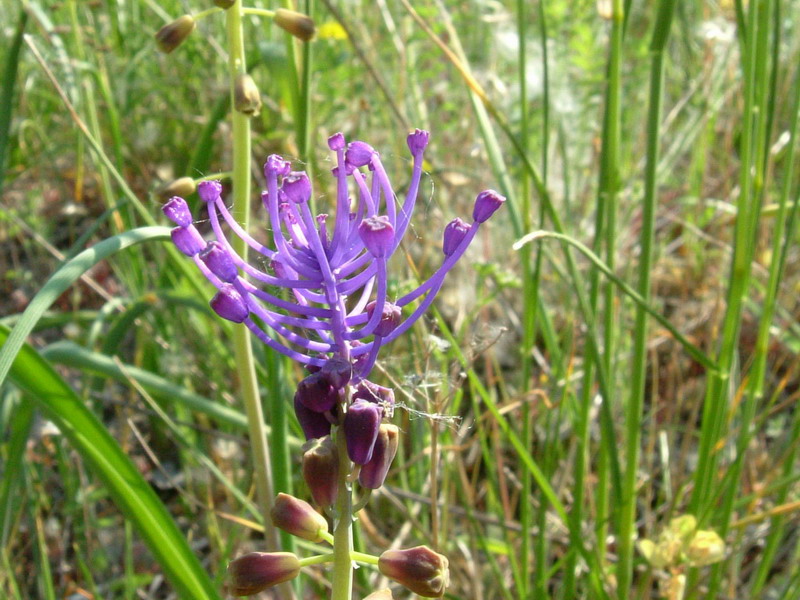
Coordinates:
<point>568,395</point>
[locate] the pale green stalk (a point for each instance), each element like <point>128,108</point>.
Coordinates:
<point>342,583</point>
<point>243,350</point>
<point>751,179</point>
<point>634,410</point>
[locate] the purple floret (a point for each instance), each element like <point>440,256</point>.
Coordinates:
<point>318,290</point>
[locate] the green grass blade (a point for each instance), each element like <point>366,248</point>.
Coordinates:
<point>131,493</point>
<point>7,90</point>
<point>65,277</point>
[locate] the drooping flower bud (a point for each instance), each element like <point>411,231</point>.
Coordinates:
<point>172,35</point>
<point>299,25</point>
<point>392,315</point>
<point>486,204</point>
<point>298,518</point>
<point>316,393</point>
<point>257,571</point>
<point>361,425</point>
<point>418,141</point>
<point>373,474</point>
<point>337,371</point>
<point>228,304</point>
<point>297,187</point>
<point>377,394</point>
<point>454,233</point>
<point>377,234</point>
<point>358,154</point>
<point>246,97</point>
<point>219,262</point>
<point>420,569</point>
<point>183,186</point>
<point>313,424</point>
<point>177,211</point>
<point>321,470</point>
<point>336,141</point>
<point>188,240</point>
<point>209,191</point>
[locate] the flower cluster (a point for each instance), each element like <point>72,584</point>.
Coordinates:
<point>319,295</point>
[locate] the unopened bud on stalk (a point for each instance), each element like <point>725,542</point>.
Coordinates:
<point>299,25</point>
<point>188,240</point>
<point>321,470</point>
<point>228,304</point>
<point>454,233</point>
<point>420,569</point>
<point>224,4</point>
<point>183,186</point>
<point>361,424</point>
<point>316,393</point>
<point>255,572</point>
<point>177,211</point>
<point>297,517</point>
<point>172,35</point>
<point>377,234</point>
<point>337,371</point>
<point>373,474</point>
<point>486,204</point>
<point>246,97</point>
<point>390,318</point>
<point>314,424</point>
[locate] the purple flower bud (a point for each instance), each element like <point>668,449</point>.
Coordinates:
<point>420,569</point>
<point>321,470</point>
<point>336,141</point>
<point>177,211</point>
<point>377,394</point>
<point>348,170</point>
<point>255,572</point>
<point>377,234</point>
<point>337,372</point>
<point>455,231</point>
<point>313,424</point>
<point>418,141</point>
<point>219,262</point>
<point>358,154</point>
<point>392,315</point>
<point>228,304</point>
<point>297,187</point>
<point>373,474</point>
<point>361,424</point>
<point>486,203</point>
<point>276,164</point>
<point>316,393</point>
<point>188,240</point>
<point>360,360</point>
<point>297,517</point>
<point>209,191</point>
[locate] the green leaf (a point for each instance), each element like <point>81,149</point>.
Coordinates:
<point>131,493</point>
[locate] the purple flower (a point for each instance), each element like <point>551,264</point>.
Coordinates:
<point>319,289</point>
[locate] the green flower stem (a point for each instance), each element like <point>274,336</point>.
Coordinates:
<point>367,559</point>
<point>241,336</point>
<point>259,12</point>
<point>316,560</point>
<point>327,537</point>
<point>635,408</point>
<point>343,533</point>
<point>206,13</point>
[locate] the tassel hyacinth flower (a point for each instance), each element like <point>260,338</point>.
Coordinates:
<point>333,270</point>
<point>319,294</point>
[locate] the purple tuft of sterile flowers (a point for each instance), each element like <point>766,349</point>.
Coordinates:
<point>319,294</point>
